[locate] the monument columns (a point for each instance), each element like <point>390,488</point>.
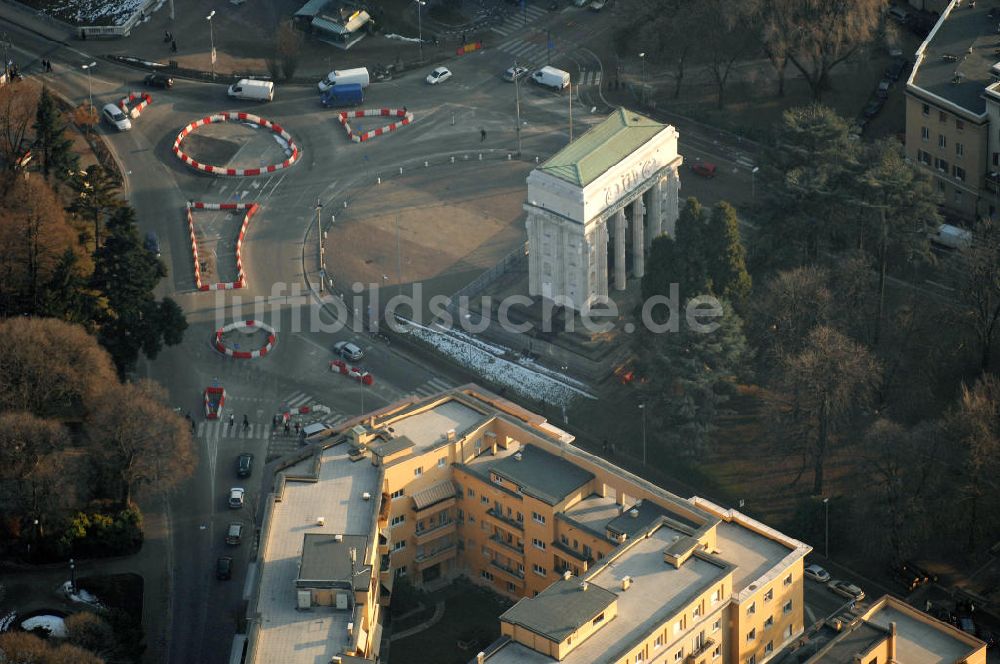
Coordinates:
<point>638,241</point>
<point>654,215</point>
<point>671,203</point>
<point>620,250</point>
<point>601,236</point>
<point>534,228</point>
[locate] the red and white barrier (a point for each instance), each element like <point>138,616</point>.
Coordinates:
<point>236,117</point>
<point>138,108</point>
<point>405,119</point>
<point>241,277</point>
<point>214,413</point>
<point>245,354</point>
<point>357,373</point>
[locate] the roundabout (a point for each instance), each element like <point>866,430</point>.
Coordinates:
<point>283,137</point>
<point>232,339</point>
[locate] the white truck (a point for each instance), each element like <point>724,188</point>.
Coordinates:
<point>247,88</point>
<point>952,237</point>
<point>551,77</point>
<point>357,75</point>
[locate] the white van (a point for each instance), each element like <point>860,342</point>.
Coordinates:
<point>358,75</point>
<point>247,88</point>
<point>952,237</point>
<point>551,77</point>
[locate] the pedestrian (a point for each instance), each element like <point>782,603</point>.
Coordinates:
<point>404,113</point>
<point>274,422</point>
<point>48,65</point>
<point>246,422</point>
<point>173,45</point>
<point>296,428</point>
<point>287,428</point>
<point>43,66</point>
<point>463,39</point>
<point>166,36</point>
<point>482,135</point>
<point>232,420</point>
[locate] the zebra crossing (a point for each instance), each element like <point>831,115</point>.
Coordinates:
<point>588,77</point>
<point>294,400</point>
<point>527,51</point>
<point>515,21</point>
<point>432,387</point>
<point>219,429</point>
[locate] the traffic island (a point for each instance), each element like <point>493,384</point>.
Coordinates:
<point>404,116</point>
<point>234,339</point>
<point>209,237</point>
<point>283,139</point>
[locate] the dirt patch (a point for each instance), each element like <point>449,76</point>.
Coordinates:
<point>234,145</point>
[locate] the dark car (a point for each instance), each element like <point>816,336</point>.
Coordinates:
<point>896,69</point>
<point>920,571</point>
<point>158,81</point>
<point>234,534</point>
<point>244,465</point>
<point>906,576</point>
<point>153,244</point>
<point>874,107</point>
<point>224,568</point>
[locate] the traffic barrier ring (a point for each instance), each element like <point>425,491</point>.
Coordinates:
<point>245,354</point>
<point>241,277</point>
<point>303,410</point>
<point>357,373</point>
<point>240,172</point>
<point>134,112</point>
<point>405,118</point>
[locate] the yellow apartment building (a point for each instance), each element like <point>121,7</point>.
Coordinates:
<point>606,566</point>
<point>953,108</point>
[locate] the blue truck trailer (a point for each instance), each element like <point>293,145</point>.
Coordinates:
<point>345,94</point>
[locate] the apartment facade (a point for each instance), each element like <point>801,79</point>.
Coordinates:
<point>953,108</point>
<point>469,484</point>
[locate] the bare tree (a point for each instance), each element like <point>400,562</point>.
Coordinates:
<point>17,113</point>
<point>979,289</point>
<point>670,36</point>
<point>725,38</point>
<point>144,444</point>
<point>822,388</point>
<point>25,442</point>
<point>288,48</point>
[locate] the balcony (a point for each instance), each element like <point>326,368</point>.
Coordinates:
<point>429,559</point>
<point>440,505</point>
<point>518,549</point>
<point>506,521</point>
<point>439,530</point>
<point>705,646</point>
<point>508,571</point>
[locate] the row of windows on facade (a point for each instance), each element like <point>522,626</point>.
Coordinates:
<point>925,135</point>
<point>927,159</point>
<point>752,634</point>
<point>943,117</point>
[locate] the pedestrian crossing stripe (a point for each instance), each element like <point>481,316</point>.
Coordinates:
<point>589,78</point>
<point>217,429</point>
<point>296,399</point>
<point>432,386</point>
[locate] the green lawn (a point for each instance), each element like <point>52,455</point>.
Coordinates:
<point>471,613</point>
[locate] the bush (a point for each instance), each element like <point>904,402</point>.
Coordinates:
<point>97,534</point>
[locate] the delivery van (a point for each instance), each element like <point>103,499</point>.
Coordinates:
<point>551,77</point>
<point>248,88</point>
<point>358,75</point>
<point>952,237</point>
<point>343,94</point>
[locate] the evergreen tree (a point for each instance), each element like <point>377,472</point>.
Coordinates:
<point>67,295</point>
<point>726,255</point>
<point>126,274</point>
<point>691,271</point>
<point>96,196</point>
<point>660,267</point>
<point>50,137</point>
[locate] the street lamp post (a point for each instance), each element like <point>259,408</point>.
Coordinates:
<point>420,29</point>
<point>90,87</point>
<point>211,37</point>
<point>642,58</point>
<point>72,576</point>
<point>753,182</point>
<point>319,241</point>
<point>517,109</point>
<point>642,407</point>
<point>826,538</point>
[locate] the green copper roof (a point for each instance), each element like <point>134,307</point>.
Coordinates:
<point>588,157</point>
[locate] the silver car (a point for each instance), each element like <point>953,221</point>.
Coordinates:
<point>115,117</point>
<point>348,351</point>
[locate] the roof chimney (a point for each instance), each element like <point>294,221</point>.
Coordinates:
<point>567,575</point>
<point>480,657</point>
<point>626,582</point>
<point>451,434</point>
<point>634,513</point>
<point>320,520</point>
<point>338,538</point>
<point>584,585</point>
<point>518,456</point>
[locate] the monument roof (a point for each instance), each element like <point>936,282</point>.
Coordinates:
<point>593,154</point>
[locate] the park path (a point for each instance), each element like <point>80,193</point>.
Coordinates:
<point>416,629</point>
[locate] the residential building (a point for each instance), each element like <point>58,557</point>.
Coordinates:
<point>953,108</point>
<point>607,567</point>
<point>889,631</point>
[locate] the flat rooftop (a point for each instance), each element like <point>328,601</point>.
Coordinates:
<point>428,429</point>
<point>752,554</point>
<point>600,513</point>
<point>286,634</point>
<point>658,590</point>
<point>593,512</point>
<point>539,474</point>
<point>513,652</point>
<point>919,642</point>
<point>958,54</point>
<point>857,641</point>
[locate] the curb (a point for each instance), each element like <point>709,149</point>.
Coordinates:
<point>226,116</point>
<point>245,354</point>
<point>342,117</point>
<point>241,278</point>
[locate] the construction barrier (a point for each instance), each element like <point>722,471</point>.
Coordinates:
<point>469,48</point>
<point>134,112</point>
<point>241,278</point>
<point>405,119</point>
<point>236,117</point>
<point>245,354</point>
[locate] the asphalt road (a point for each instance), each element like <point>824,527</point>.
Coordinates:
<point>279,257</point>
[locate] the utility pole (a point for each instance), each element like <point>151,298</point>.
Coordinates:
<point>826,539</point>
<point>420,29</point>
<point>517,109</point>
<point>571,110</point>
<point>642,407</point>
<point>90,86</point>
<point>319,242</point>
<point>211,36</point>
<point>399,264</point>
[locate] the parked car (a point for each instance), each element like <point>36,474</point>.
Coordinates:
<point>967,625</point>
<point>920,571</point>
<point>896,69</point>
<point>848,590</point>
<point>438,75</point>
<point>514,73</point>
<point>906,576</point>
<point>883,88</point>
<point>244,465</point>
<point>597,5</point>
<point>158,81</point>
<point>705,169</point>
<point>152,244</point>
<point>224,568</point>
<point>236,496</point>
<point>348,351</point>
<point>874,107</point>
<point>235,533</point>
<point>816,573</point>
<point>115,117</point>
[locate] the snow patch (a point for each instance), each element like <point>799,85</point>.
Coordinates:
<point>7,620</point>
<point>412,40</point>
<point>81,596</point>
<point>95,12</point>
<point>54,625</point>
<point>284,144</point>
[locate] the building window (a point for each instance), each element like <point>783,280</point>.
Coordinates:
<point>752,659</point>
<point>769,595</point>
<point>717,652</point>
<point>788,632</point>
<point>923,158</point>
<point>769,648</point>
<point>586,552</point>
<point>397,546</point>
<point>787,608</point>
<point>717,625</point>
<point>418,471</point>
<point>396,520</point>
<point>483,499</point>
<point>996,158</point>
<point>942,141</point>
<point>442,461</point>
<point>397,494</point>
<point>486,575</point>
<point>716,596</point>
<point>959,150</point>
<point>495,478</point>
<point>472,518</point>
<point>520,518</point>
<point>941,165</point>
<point>400,572</point>
<point>678,626</point>
<point>925,134</point>
<point>598,620</point>
<point>470,493</point>
<point>768,622</point>
<point>658,643</point>
<point>788,580</point>
<point>959,173</point>
<point>538,517</point>
<point>639,658</point>
<point>696,613</point>
<point>958,195</point>
<point>959,124</point>
<point>511,587</point>
<point>563,539</point>
<point>926,110</point>
<point>752,609</point>
<point>461,516</point>
<point>942,116</point>
<point>751,635</point>
<point>679,655</point>
<point>537,543</point>
<point>539,570</point>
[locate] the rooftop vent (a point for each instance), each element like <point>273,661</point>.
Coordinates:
<point>634,513</point>
<point>584,585</point>
<point>320,520</point>
<point>366,496</point>
<point>350,629</point>
<point>451,434</point>
<point>567,575</point>
<point>518,456</point>
<point>336,659</point>
<point>338,538</point>
<point>626,582</point>
<point>480,657</point>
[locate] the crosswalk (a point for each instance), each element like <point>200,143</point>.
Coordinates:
<point>588,77</point>
<point>219,429</point>
<point>432,387</point>
<point>515,21</point>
